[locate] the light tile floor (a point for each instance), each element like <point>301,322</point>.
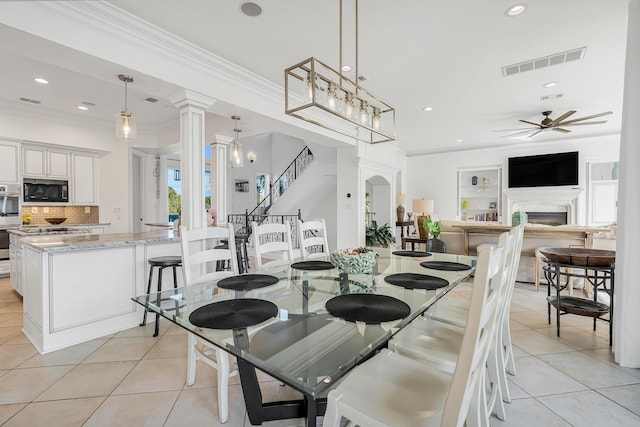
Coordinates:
<point>133,379</point>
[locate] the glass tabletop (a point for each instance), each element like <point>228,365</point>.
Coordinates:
<point>304,345</point>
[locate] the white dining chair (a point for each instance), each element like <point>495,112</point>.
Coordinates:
<point>313,234</point>
<point>200,262</point>
<point>274,241</point>
<point>394,390</point>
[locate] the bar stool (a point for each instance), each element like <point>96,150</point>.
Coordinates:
<point>161,263</point>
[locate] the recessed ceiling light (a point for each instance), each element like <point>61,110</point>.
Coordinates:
<point>427,109</point>
<point>251,9</point>
<point>550,84</point>
<point>82,107</point>
<point>458,140</point>
<point>346,68</point>
<point>516,10</point>
<point>41,80</point>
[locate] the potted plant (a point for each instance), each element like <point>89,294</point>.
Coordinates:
<point>382,236</point>
<point>432,226</point>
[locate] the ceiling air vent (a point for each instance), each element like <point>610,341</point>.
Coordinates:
<point>547,61</point>
<point>551,96</point>
<point>150,99</point>
<point>32,101</point>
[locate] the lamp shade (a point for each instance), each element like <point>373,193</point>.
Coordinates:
<point>422,206</point>
<point>400,198</point>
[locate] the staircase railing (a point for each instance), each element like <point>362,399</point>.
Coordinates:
<point>280,185</point>
<point>242,223</point>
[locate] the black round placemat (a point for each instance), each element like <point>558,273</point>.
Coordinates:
<point>412,253</point>
<point>233,314</point>
<point>368,308</point>
<point>247,282</point>
<point>313,265</point>
<point>416,281</point>
<point>445,265</point>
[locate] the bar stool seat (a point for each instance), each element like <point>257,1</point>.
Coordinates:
<point>160,263</point>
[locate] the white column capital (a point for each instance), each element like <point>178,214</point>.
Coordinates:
<point>221,140</point>
<point>187,98</point>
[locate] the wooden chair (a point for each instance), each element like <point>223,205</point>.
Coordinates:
<point>313,234</point>
<point>272,239</point>
<point>200,260</point>
<point>393,390</point>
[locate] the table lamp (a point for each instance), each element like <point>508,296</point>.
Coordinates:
<point>422,207</point>
<point>400,198</point>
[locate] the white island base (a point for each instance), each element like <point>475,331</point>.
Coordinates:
<point>77,293</point>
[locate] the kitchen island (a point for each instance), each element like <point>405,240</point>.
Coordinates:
<point>79,287</point>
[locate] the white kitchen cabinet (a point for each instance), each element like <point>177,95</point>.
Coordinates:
<point>44,163</point>
<point>603,193</point>
<point>9,162</point>
<point>479,194</point>
<point>83,181</point>
<point>15,260</point>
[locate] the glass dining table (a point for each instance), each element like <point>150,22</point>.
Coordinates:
<point>308,324</point>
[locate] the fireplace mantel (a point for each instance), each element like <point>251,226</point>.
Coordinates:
<point>543,193</point>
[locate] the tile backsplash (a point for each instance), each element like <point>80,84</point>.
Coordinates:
<point>74,214</point>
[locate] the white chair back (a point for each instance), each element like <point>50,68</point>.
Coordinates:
<point>313,234</point>
<point>201,260</point>
<point>464,400</point>
<point>272,239</point>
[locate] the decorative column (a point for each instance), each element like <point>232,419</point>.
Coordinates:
<point>626,340</point>
<point>219,186</point>
<point>192,108</point>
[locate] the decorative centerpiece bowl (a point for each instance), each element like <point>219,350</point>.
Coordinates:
<point>355,261</point>
<point>55,221</point>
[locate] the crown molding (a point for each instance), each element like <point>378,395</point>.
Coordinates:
<point>108,19</point>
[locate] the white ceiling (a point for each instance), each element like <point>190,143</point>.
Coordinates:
<point>415,53</point>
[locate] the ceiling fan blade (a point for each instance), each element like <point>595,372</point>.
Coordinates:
<point>586,118</point>
<point>562,117</point>
<point>535,133</point>
<point>512,130</point>
<point>538,125</point>
<point>561,130</point>
<point>599,122</point>
<point>517,133</point>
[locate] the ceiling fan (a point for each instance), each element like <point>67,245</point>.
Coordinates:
<point>558,124</point>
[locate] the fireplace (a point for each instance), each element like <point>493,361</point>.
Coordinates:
<point>544,205</point>
<point>547,218</point>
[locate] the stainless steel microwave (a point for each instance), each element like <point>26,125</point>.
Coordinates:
<point>45,191</point>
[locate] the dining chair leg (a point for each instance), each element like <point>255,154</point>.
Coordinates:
<point>191,359</point>
<point>222,359</point>
<point>495,384</point>
<point>510,364</point>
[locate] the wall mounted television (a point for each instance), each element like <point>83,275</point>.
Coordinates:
<point>545,170</point>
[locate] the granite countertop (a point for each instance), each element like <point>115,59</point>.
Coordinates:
<point>70,242</point>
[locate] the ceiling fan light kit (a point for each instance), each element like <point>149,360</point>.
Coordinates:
<point>558,124</point>
<point>318,94</point>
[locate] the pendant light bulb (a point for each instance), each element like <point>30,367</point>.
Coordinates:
<point>235,153</point>
<point>376,119</point>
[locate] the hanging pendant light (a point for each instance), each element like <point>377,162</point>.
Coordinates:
<point>321,95</point>
<point>125,122</point>
<point>235,150</point>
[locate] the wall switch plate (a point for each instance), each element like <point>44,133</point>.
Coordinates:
<point>34,209</point>
<point>45,209</point>
<point>87,209</point>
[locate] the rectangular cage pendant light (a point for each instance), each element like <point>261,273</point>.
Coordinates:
<point>318,94</point>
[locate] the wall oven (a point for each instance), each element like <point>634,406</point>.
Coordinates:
<point>9,215</point>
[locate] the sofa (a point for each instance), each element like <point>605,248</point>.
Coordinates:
<point>454,239</point>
